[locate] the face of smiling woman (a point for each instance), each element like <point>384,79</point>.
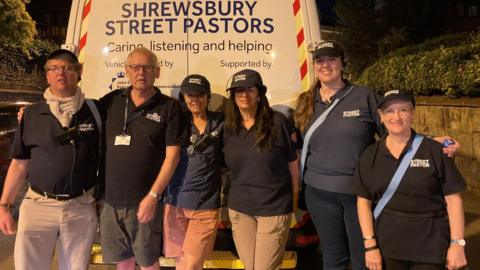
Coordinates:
<point>247,98</point>
<point>328,69</point>
<point>397,116</point>
<point>196,102</point>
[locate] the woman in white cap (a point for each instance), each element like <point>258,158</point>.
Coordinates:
<point>418,219</point>
<point>192,198</point>
<point>261,155</point>
<point>338,121</point>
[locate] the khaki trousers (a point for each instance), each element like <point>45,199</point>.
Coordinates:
<point>43,221</point>
<point>260,241</point>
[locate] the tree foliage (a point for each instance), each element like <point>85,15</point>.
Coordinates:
<point>369,29</point>
<point>17,29</point>
<point>449,64</point>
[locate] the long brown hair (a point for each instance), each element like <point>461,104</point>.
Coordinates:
<point>304,108</point>
<point>263,121</point>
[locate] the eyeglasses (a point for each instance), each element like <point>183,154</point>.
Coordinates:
<point>145,68</point>
<point>62,69</point>
<point>403,112</point>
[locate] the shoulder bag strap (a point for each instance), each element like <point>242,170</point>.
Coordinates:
<point>313,127</point>
<point>96,116</point>
<point>397,177</point>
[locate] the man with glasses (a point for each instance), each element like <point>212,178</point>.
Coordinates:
<point>143,133</point>
<point>55,151</point>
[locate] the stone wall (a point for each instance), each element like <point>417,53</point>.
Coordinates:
<point>459,118</point>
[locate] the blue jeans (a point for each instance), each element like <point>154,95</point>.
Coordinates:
<point>335,218</point>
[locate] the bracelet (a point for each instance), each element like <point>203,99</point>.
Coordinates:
<point>371,248</point>
<point>6,205</point>
<point>369,238</point>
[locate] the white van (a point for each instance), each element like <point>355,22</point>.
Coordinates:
<point>215,38</point>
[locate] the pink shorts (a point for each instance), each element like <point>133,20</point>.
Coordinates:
<point>189,231</point>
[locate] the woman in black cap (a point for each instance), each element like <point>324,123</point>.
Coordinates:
<point>261,155</point>
<point>192,198</point>
<point>418,219</point>
<point>338,121</point>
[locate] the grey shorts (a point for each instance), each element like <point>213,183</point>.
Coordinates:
<point>124,237</point>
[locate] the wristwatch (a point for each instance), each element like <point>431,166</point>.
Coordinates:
<point>155,195</point>
<point>460,242</point>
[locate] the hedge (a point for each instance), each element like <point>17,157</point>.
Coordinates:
<point>447,65</point>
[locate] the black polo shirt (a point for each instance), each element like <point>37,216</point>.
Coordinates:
<point>131,170</point>
<point>260,181</point>
<point>407,228</point>
<point>57,168</point>
<point>336,145</point>
<point>197,180</point>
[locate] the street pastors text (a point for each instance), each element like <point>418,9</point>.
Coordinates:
<point>196,16</point>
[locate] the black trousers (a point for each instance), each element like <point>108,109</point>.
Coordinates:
<point>392,264</point>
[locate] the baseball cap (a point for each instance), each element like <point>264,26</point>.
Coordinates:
<point>328,48</point>
<point>397,95</point>
<point>195,83</point>
<point>247,78</point>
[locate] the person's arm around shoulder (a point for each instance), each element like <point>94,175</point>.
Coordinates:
<point>456,252</point>
<point>373,258</point>
<point>17,172</point>
<point>451,148</point>
<point>147,207</point>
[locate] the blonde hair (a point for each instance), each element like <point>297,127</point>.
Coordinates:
<point>304,108</point>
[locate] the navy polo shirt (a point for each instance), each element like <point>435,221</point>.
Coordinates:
<point>261,184</point>
<point>336,145</point>
<point>406,229</point>
<point>131,170</point>
<point>197,180</point>
<point>57,168</point>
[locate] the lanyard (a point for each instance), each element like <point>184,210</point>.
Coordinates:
<point>127,121</point>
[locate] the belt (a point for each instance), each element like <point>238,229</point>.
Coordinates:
<point>58,197</point>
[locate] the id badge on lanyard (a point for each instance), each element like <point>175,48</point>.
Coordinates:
<point>124,139</point>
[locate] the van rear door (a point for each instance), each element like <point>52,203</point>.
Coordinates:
<point>215,38</point>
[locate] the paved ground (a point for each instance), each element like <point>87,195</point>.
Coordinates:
<point>308,258</point>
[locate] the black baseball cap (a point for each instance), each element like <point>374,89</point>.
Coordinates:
<point>247,78</point>
<point>195,83</point>
<point>329,48</point>
<point>63,54</point>
<point>397,95</point>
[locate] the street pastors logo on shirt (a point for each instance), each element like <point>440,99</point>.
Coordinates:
<point>422,163</point>
<point>85,127</point>
<point>354,113</point>
<point>154,117</point>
